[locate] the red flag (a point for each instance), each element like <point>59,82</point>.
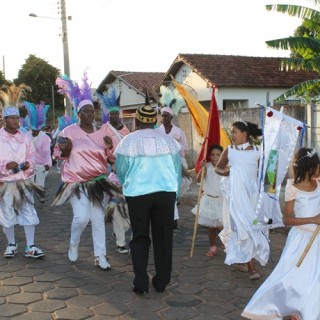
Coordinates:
<point>213,131</point>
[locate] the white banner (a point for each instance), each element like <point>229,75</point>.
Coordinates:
<point>281,133</point>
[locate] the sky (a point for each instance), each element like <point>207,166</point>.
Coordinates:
<point>137,35</point>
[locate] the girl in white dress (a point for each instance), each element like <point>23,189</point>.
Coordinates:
<point>240,190</point>
<point>292,290</point>
<point>210,210</point>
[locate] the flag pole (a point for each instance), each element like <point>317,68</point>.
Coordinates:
<point>195,227</point>
<point>314,235</point>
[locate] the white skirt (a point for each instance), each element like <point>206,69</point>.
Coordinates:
<point>210,211</point>
<point>290,290</point>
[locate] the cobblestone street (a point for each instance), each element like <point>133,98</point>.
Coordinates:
<point>54,288</point>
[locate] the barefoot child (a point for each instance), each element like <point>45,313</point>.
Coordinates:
<point>291,290</point>
<point>210,211</point>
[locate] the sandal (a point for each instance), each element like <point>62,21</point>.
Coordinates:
<point>212,252</point>
<point>254,275</point>
<point>242,267</point>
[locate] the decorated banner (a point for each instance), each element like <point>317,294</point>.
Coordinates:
<point>280,137</point>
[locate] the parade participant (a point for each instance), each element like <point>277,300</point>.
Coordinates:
<point>41,141</point>
<point>291,290</point>
<point>240,162</point>
<point>85,150</point>
<point>16,186</point>
<point>210,210</point>
<point>172,105</point>
<point>115,129</point>
<point>143,159</point>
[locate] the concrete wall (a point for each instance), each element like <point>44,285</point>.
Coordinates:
<point>227,118</point>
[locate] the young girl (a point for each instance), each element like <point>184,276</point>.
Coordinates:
<point>210,211</point>
<point>240,192</point>
<point>292,290</point>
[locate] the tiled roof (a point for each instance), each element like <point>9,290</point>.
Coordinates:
<point>137,80</point>
<point>240,71</point>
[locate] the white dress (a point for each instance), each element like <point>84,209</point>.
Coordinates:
<point>290,289</point>
<point>240,191</point>
<point>210,211</point>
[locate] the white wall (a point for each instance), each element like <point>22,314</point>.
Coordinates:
<point>252,95</point>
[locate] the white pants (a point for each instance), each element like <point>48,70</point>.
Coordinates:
<point>83,211</point>
<point>120,227</point>
<point>25,216</point>
<point>40,175</point>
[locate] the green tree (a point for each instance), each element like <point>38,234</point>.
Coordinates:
<point>304,46</point>
<point>3,79</point>
<point>41,76</point>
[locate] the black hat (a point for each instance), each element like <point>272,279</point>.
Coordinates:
<point>146,114</point>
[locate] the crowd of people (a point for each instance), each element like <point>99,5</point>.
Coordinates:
<point>140,176</point>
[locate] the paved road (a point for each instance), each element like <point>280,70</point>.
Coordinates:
<point>54,288</point>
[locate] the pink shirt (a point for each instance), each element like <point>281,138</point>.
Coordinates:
<point>42,145</point>
<point>19,148</point>
<point>114,134</point>
<point>88,157</point>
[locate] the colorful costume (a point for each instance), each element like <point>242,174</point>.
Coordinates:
<point>148,165</point>
<point>42,142</point>
<point>84,175</point>
<point>240,191</point>
<point>110,107</point>
<point>16,185</point>
<point>290,289</point>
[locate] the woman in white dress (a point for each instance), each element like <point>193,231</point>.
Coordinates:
<point>240,191</point>
<point>292,290</point>
<point>210,210</point>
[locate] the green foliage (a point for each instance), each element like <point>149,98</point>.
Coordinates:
<point>3,79</point>
<point>304,47</point>
<point>40,76</point>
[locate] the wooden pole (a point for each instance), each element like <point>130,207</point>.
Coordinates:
<point>315,233</point>
<point>195,227</point>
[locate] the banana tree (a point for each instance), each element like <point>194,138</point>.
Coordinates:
<point>305,49</point>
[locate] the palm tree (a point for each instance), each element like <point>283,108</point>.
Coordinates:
<point>305,49</point>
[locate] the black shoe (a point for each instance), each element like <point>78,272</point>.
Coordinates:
<point>138,291</point>
<point>159,288</point>
<point>175,224</point>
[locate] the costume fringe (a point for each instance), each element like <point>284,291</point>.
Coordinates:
<point>20,191</point>
<point>120,203</point>
<point>94,190</point>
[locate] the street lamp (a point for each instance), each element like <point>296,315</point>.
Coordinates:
<point>64,34</point>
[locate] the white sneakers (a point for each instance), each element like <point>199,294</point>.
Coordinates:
<point>11,250</point>
<point>102,263</point>
<point>73,252</point>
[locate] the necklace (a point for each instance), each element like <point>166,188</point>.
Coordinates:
<point>243,146</point>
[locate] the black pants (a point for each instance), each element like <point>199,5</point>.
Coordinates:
<point>157,209</point>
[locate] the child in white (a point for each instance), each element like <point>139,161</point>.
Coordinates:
<point>292,290</point>
<point>210,210</point>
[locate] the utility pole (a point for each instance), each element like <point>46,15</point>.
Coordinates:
<point>65,48</point>
<point>3,67</point>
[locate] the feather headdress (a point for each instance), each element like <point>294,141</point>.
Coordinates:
<point>109,101</point>
<point>66,120</point>
<point>171,100</point>
<point>25,122</point>
<point>37,114</point>
<point>10,97</point>
<point>78,94</point>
